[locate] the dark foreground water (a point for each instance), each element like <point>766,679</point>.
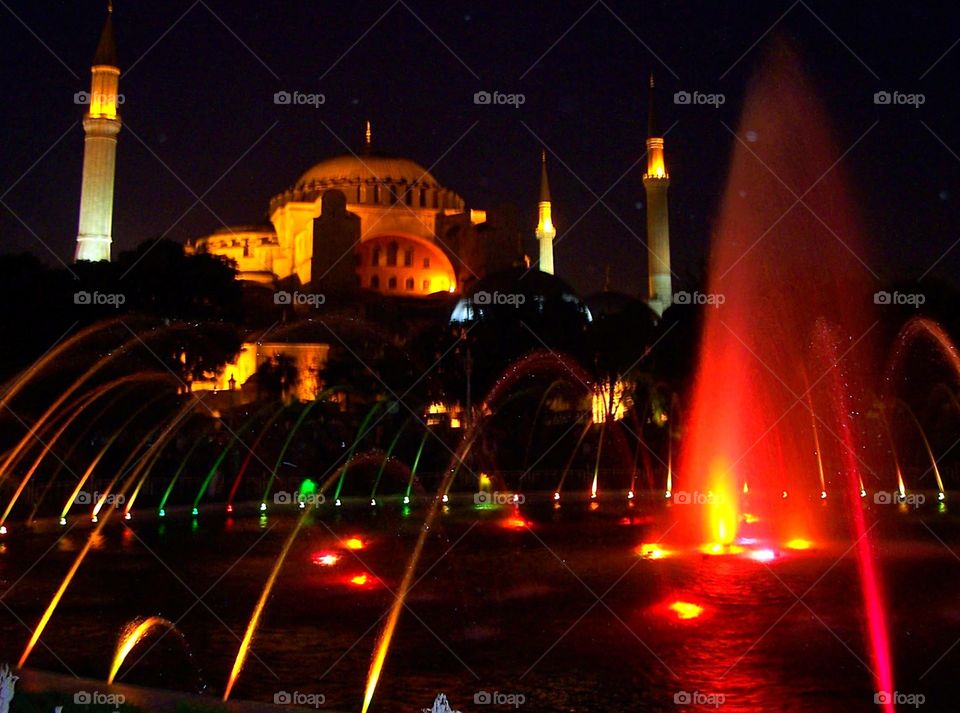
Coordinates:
<point>562,613</point>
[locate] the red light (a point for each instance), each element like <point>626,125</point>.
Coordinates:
<point>229,508</point>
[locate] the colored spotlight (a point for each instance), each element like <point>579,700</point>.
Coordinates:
<point>354,543</point>
<point>798,543</point>
<point>326,559</point>
<point>686,610</point>
<point>360,580</point>
<point>764,555</point>
<point>652,551</point>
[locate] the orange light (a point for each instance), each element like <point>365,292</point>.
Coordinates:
<point>718,548</point>
<point>798,543</point>
<point>651,551</point>
<point>360,580</point>
<point>750,519</point>
<point>354,543</point>
<point>686,610</point>
<point>515,523</point>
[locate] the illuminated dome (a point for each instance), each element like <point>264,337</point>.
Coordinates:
<point>368,167</point>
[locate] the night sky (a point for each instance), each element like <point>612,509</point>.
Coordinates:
<point>200,121</point>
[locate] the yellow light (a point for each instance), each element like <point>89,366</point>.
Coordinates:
<point>359,580</point>
<point>686,610</point>
<point>798,543</point>
<point>354,543</point>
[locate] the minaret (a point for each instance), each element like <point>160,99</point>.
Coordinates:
<point>367,139</point>
<point>545,230</point>
<point>656,181</point>
<point>101,124</point>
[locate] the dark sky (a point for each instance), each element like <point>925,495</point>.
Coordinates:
<point>199,118</point>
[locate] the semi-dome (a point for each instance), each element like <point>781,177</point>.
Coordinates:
<point>350,168</point>
<point>521,293</point>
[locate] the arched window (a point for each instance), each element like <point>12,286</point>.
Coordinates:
<point>426,285</point>
<point>376,192</point>
<point>392,283</point>
<point>375,256</point>
<point>426,262</point>
<point>408,257</point>
<point>409,284</point>
<point>392,250</point>
<point>423,197</point>
<point>375,282</point>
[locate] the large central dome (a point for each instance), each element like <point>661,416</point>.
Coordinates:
<point>366,167</point>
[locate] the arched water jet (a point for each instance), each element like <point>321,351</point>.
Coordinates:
<point>88,472</point>
<point>95,534</point>
<point>251,453</point>
<point>223,454</point>
<point>926,445</point>
<point>132,635</point>
<point>386,458</point>
<point>361,432</point>
<point>283,451</point>
<point>81,406</point>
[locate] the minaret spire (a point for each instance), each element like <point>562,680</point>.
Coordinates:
<point>101,124</point>
<point>656,181</point>
<point>545,230</point>
<point>368,138</point>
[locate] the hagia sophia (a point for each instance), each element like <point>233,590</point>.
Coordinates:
<point>361,223</point>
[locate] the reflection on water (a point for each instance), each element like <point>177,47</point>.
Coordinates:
<point>564,610</point>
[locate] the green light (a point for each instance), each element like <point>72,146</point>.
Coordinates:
<point>263,507</point>
<point>163,513</point>
<point>308,487</point>
<point>195,512</point>
<point>405,511</point>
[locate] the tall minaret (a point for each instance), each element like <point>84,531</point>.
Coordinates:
<point>656,181</point>
<point>545,230</point>
<point>101,124</point>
